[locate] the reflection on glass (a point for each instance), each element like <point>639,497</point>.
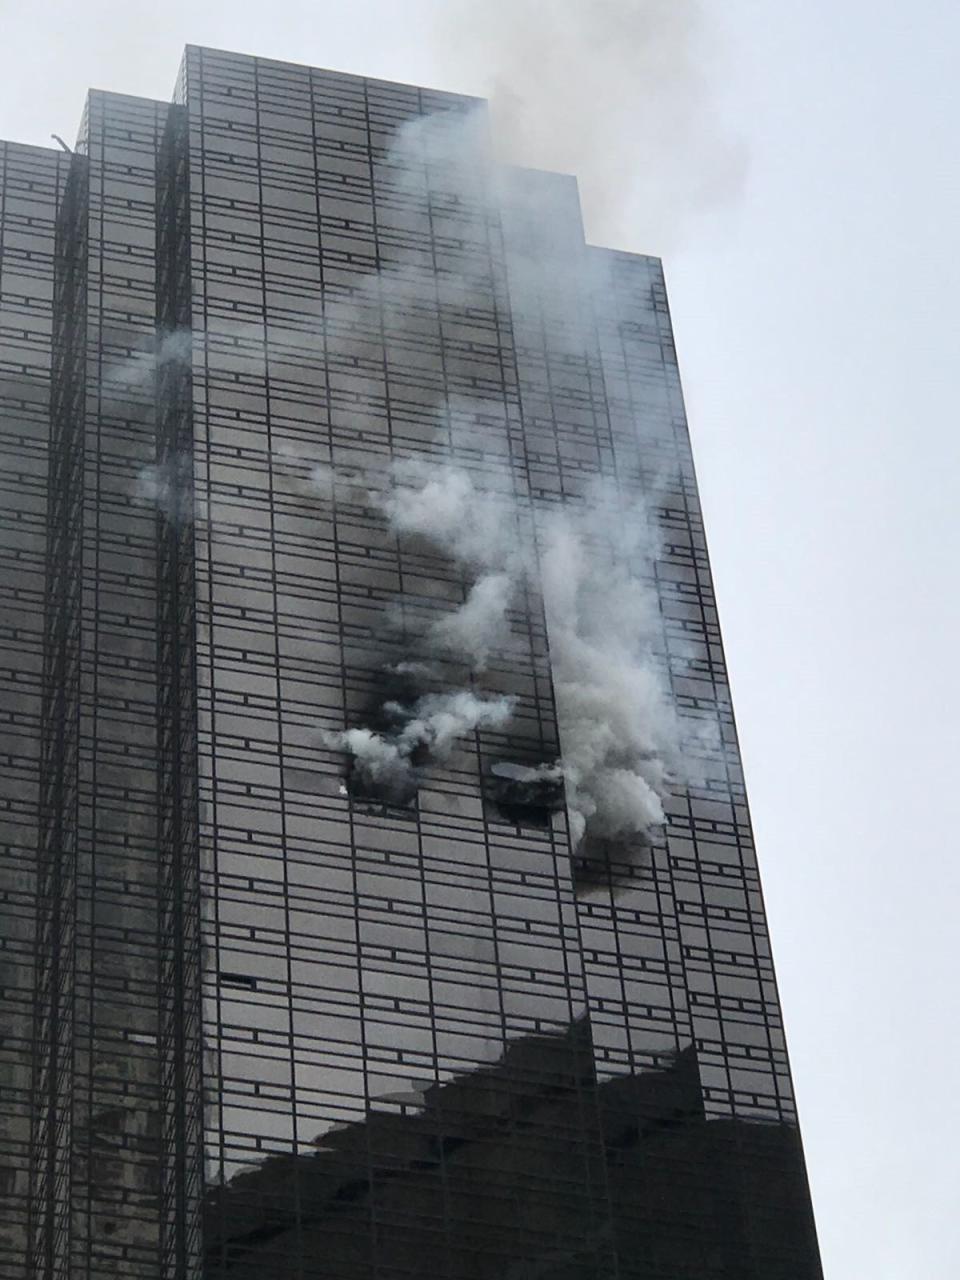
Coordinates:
<point>527,1167</point>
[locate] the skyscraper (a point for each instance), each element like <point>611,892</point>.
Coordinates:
<point>379,894</point>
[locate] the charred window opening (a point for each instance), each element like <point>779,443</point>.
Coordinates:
<point>411,725</point>
<point>525,795</point>
<point>611,863</point>
<point>379,778</point>
<point>392,792</point>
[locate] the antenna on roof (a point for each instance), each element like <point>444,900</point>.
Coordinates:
<point>57,137</point>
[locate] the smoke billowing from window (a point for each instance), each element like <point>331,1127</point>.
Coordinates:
<point>614,91</point>
<point>618,729</point>
<point>590,562</point>
<point>589,559</point>
<point>387,764</point>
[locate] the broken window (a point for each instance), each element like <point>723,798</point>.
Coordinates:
<point>524,795</point>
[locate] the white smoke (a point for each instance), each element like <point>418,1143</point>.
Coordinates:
<point>482,531</point>
<point>480,624</point>
<point>618,92</point>
<point>379,761</point>
<point>593,564</point>
<point>387,763</point>
<point>589,558</point>
<point>440,719</point>
<point>478,527</point>
<point>618,727</point>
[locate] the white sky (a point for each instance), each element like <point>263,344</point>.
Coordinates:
<point>814,292</point>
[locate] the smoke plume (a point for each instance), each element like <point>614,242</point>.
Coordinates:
<point>614,91</point>
<point>618,727</point>
<point>592,564</point>
<point>388,764</point>
<point>480,624</point>
<point>482,530</point>
<point>590,558</point>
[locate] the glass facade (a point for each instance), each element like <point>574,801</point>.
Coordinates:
<point>33,184</point>
<point>266,1014</point>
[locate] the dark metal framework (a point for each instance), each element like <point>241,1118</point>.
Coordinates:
<point>179,886</point>
<point>52,1142</point>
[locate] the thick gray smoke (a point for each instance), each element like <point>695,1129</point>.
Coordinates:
<point>614,91</point>
<point>480,625</point>
<point>387,763</point>
<point>482,530</point>
<point>618,729</point>
<point>590,559</point>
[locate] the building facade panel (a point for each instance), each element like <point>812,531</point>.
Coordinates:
<point>116,1070</point>
<point>32,182</point>
<point>726,948</point>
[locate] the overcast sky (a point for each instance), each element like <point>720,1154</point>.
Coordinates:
<point>795,165</point>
